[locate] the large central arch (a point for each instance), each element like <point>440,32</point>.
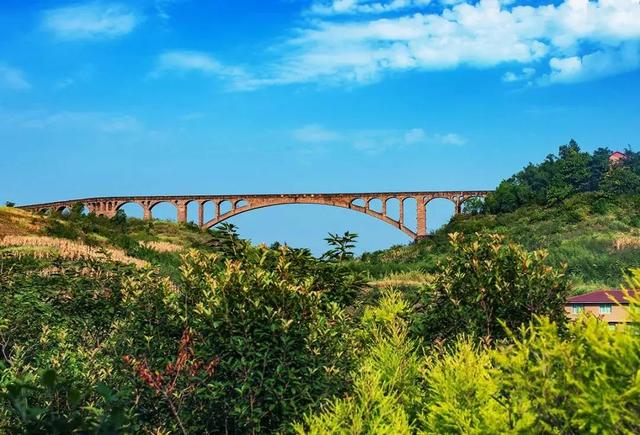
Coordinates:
<point>349,206</point>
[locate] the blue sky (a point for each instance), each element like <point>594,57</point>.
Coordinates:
<point>193,97</point>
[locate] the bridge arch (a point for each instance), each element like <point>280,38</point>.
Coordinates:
<point>132,209</point>
<point>162,206</point>
<point>347,205</point>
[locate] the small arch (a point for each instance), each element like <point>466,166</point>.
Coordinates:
<point>439,212</point>
<point>473,204</point>
<point>241,203</point>
<point>375,204</point>
<point>359,202</point>
<point>164,210</point>
<point>64,211</point>
<point>132,210</point>
<point>225,207</point>
<point>393,208</point>
<point>410,213</point>
<point>193,208</point>
<point>209,210</point>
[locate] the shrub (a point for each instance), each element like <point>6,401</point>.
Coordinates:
<point>280,344</point>
<point>387,387</point>
<point>487,283</point>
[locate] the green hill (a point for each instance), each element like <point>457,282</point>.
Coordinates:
<point>583,208</point>
<point>598,241</point>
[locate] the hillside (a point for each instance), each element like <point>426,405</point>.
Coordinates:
<point>115,326</point>
<point>158,243</point>
<point>598,240</point>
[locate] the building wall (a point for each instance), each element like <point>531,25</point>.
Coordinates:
<point>619,313</point>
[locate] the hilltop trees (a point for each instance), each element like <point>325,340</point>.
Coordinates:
<point>571,172</point>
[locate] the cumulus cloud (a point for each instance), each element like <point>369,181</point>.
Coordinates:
<point>91,20</point>
<point>593,65</point>
<point>374,140</point>
<point>362,41</point>
<point>12,78</point>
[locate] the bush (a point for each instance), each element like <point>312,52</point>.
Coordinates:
<point>387,391</point>
<point>280,343</point>
<point>484,284</point>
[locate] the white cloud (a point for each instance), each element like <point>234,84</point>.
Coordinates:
<point>450,139</point>
<point>109,123</point>
<point>12,78</point>
<point>186,61</point>
<point>91,20</point>
<point>349,44</point>
<point>336,7</point>
<point>525,74</point>
<point>315,133</point>
<point>162,8</point>
<point>593,65</point>
<point>374,140</point>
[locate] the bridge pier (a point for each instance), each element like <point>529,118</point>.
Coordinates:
<point>421,218</point>
<point>182,211</point>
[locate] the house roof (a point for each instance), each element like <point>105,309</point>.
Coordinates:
<point>616,155</point>
<point>601,297</point>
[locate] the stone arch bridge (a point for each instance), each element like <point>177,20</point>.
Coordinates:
<point>236,204</point>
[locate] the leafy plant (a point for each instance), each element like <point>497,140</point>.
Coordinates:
<point>486,283</point>
<point>341,246</point>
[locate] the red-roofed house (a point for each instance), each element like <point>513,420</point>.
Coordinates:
<point>602,304</point>
<point>616,157</point>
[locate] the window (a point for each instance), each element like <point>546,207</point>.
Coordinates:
<point>605,309</point>
<point>577,309</point>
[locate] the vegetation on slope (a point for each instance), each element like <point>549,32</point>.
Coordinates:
<point>581,208</point>
<point>249,339</point>
<point>127,326</point>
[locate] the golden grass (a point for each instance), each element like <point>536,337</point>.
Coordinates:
<point>46,247</point>
<point>625,242</point>
<point>412,278</point>
<point>14,221</point>
<point>162,246</point>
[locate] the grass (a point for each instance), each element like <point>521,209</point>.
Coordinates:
<point>597,244</point>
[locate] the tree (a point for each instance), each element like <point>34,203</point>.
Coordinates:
<point>10,204</point>
<point>342,246</point>
<point>487,283</point>
<point>473,206</point>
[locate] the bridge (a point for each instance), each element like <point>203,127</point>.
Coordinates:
<point>237,204</point>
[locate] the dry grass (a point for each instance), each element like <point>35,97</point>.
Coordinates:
<point>163,246</point>
<point>412,278</point>
<point>45,247</point>
<point>625,242</point>
<point>14,221</point>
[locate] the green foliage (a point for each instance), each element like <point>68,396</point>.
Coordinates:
<point>546,379</point>
<point>9,204</point>
<point>341,246</point>
<point>560,177</point>
<point>62,413</point>
<point>486,283</point>
<point>386,394</point>
<point>462,386</point>
<point>225,240</point>
<point>597,237</point>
